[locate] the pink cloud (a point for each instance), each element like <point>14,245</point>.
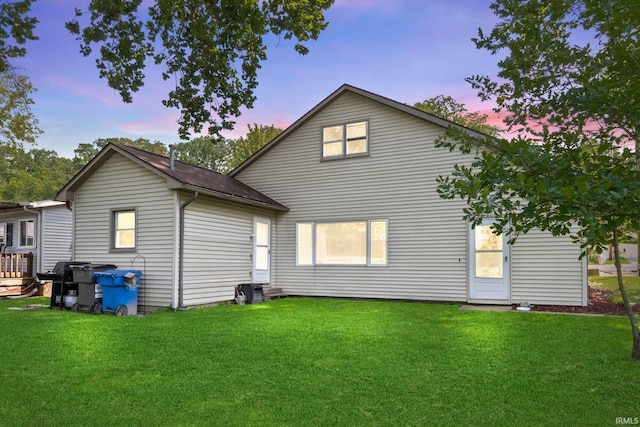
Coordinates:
<point>166,125</point>
<point>98,92</point>
<point>246,119</point>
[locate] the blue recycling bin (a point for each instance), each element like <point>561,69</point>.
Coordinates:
<point>119,291</point>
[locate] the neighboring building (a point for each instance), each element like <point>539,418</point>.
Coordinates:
<point>33,237</point>
<point>357,215</point>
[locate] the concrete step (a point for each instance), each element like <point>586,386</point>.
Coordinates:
<point>272,293</point>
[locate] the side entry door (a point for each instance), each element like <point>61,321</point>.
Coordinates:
<point>489,263</point>
<point>261,250</point>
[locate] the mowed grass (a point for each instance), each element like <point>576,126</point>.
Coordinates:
<point>315,362</point>
<point>631,285</point>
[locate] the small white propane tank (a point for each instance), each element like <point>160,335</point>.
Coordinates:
<point>70,299</point>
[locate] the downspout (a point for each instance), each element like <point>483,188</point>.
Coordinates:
<point>38,242</point>
<point>181,252</point>
<point>68,205</point>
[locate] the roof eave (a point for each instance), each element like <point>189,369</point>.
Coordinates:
<point>67,192</point>
<point>233,198</point>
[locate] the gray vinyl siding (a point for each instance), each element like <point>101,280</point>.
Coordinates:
<point>546,270</point>
<point>218,249</point>
<point>427,243</point>
<point>56,236</point>
<point>427,237</point>
<point>52,235</point>
<point>121,183</point>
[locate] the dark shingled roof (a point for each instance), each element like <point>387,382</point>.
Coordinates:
<point>205,179</point>
<point>183,176</point>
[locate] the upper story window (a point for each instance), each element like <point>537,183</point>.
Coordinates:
<point>3,233</point>
<point>349,139</point>
<point>123,229</point>
<point>27,232</point>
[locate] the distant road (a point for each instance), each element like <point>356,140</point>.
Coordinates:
<point>610,269</point>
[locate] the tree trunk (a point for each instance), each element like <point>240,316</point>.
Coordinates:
<point>635,350</point>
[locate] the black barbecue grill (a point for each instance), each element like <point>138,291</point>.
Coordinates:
<point>62,278</point>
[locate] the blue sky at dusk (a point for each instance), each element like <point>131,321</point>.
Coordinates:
<point>406,50</point>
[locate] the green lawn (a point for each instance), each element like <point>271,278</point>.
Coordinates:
<point>315,362</point>
<point>631,285</point>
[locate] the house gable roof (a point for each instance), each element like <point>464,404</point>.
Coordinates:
<point>183,176</point>
<point>328,100</point>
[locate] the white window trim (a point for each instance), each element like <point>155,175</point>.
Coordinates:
<point>3,237</point>
<point>344,154</point>
<point>368,243</point>
<point>112,230</point>
<point>20,221</point>
<point>313,246</point>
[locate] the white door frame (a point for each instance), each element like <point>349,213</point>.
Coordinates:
<point>261,251</point>
<point>492,284</point>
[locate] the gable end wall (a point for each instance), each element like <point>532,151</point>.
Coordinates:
<point>121,184</point>
<point>428,239</point>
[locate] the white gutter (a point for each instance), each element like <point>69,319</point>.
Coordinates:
<point>232,198</point>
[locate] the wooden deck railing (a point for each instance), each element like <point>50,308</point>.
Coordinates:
<point>16,265</point>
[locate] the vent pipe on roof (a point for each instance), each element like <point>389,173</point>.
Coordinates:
<point>172,156</point>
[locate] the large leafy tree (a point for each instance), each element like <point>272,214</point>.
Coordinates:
<point>448,108</point>
<point>17,122</point>
<point>36,174</point>
<point>212,49</point>
<point>569,85</point>
<point>256,137</point>
<point>16,28</point>
<point>208,152</point>
<point>221,154</point>
<point>85,152</point>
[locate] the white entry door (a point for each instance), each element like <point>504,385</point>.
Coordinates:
<point>489,264</point>
<point>261,250</point>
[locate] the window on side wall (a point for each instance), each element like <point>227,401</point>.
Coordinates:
<point>123,229</point>
<point>345,140</point>
<point>342,243</point>
<point>8,233</point>
<point>27,232</point>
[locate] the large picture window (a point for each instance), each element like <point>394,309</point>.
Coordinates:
<point>345,140</point>
<point>27,232</point>
<point>123,229</point>
<point>342,243</point>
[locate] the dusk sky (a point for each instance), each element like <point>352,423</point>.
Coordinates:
<point>406,50</point>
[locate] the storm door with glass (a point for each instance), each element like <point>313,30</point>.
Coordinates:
<point>489,263</point>
<point>261,250</point>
